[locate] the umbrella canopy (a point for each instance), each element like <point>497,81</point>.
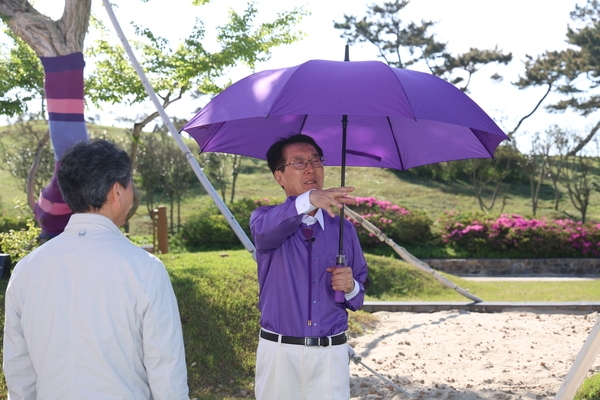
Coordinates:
<point>397,118</point>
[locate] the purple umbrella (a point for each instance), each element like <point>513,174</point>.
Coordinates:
<point>362,113</point>
<point>397,118</point>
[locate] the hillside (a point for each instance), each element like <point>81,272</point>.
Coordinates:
<point>400,188</point>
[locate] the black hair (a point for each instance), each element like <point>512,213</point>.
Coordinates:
<point>89,170</point>
<point>275,152</point>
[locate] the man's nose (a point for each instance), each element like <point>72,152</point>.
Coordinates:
<point>309,167</point>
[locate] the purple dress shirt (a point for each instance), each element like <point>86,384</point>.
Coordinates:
<point>296,298</point>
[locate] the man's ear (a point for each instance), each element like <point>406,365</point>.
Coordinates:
<point>278,175</point>
<point>117,191</point>
<point>112,197</point>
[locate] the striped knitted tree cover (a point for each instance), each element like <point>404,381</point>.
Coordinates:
<point>63,86</point>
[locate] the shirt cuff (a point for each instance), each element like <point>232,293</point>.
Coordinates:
<point>303,205</point>
<point>354,292</point>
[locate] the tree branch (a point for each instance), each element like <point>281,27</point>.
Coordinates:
<point>585,141</point>
<point>511,133</point>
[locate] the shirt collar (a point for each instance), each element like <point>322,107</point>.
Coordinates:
<point>310,220</point>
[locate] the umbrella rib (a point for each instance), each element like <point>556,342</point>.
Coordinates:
<point>207,142</point>
<point>303,122</point>
<point>486,149</point>
<point>396,144</point>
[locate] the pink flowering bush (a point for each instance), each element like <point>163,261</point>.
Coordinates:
<point>398,223</point>
<point>519,237</point>
<point>456,234</point>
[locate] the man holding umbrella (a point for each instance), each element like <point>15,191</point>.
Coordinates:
<point>302,351</point>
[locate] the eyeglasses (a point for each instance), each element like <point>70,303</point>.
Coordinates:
<point>302,163</point>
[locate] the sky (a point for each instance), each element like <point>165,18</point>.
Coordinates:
<point>522,27</point>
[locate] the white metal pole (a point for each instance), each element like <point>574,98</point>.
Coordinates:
<point>581,365</point>
<point>188,155</point>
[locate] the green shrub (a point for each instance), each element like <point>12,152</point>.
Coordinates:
<point>589,389</point>
<point>15,224</point>
<point>209,230</point>
<point>20,242</point>
<point>387,278</point>
<point>242,209</point>
<point>507,161</point>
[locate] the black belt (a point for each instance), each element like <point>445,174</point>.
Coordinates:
<point>306,341</point>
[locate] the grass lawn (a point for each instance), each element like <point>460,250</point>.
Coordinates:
<point>218,292</point>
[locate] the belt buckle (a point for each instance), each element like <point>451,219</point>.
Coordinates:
<point>310,341</point>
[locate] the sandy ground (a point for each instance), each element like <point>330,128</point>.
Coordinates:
<point>467,355</point>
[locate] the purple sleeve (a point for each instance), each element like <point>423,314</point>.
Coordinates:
<point>272,225</point>
<point>359,269</point>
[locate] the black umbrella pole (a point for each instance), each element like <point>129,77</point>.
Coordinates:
<point>343,183</point>
<point>341,258</point>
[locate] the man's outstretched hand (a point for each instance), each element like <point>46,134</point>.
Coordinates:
<point>334,197</point>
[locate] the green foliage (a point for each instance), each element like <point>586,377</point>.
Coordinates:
<point>20,242</point>
<point>10,223</point>
<point>571,73</point>
<point>507,160</point>
<point>390,280</point>
<point>163,170</point>
<point>222,169</point>
<point>209,230</point>
<point>22,76</point>
<point>28,141</point>
<point>217,297</point>
<point>189,66</point>
<point>454,235</point>
<point>589,389</point>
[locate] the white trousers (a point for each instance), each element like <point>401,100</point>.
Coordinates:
<point>296,372</point>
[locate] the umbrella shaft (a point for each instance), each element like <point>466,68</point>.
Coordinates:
<point>344,129</point>
<point>343,183</point>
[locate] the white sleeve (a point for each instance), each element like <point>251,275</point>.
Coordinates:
<point>303,205</point>
<point>164,355</point>
<point>354,292</point>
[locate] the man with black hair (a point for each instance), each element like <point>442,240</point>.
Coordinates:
<point>89,315</point>
<point>302,352</point>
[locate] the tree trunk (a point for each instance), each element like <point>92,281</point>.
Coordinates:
<point>137,135</point>
<point>235,171</point>
<point>59,44</point>
<point>34,167</point>
<point>49,38</point>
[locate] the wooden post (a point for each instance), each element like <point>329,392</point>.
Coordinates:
<point>160,230</point>
<point>163,230</point>
<point>581,365</point>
